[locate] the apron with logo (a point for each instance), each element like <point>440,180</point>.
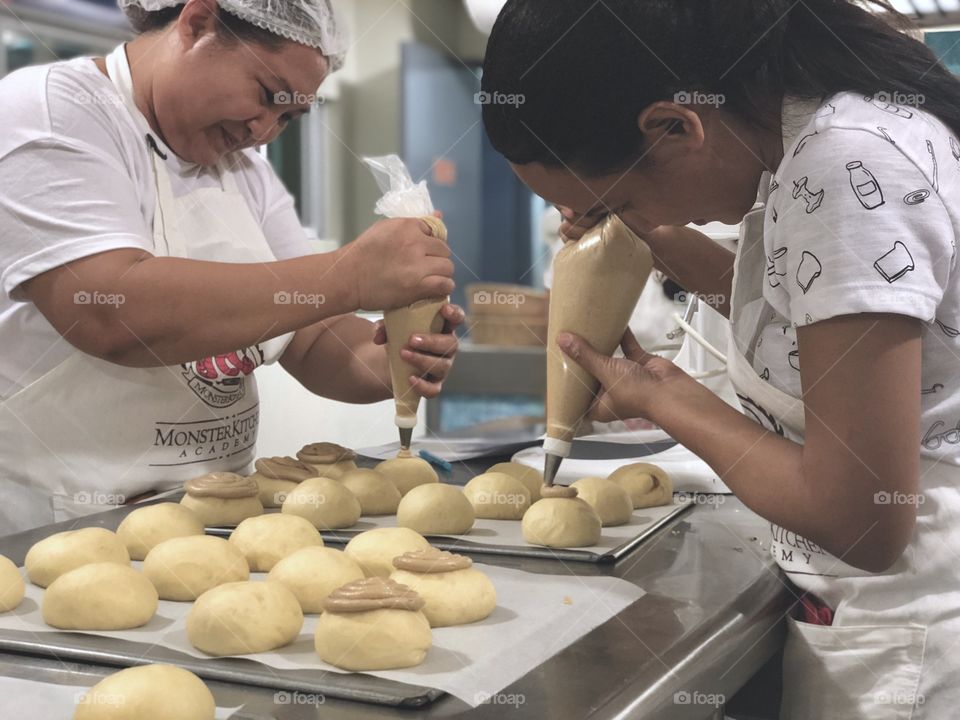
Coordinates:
<point>90,435</point>
<point>893,650</point>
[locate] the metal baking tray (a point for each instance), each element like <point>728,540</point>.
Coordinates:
<point>111,652</point>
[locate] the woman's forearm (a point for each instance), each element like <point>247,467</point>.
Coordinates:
<point>695,262</point>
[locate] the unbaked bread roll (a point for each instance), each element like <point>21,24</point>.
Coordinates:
<point>324,502</point>
<point>646,484</point>
<point>376,494</point>
<point>408,472</point>
<point>222,499</point>
<point>561,523</point>
<point>58,554</point>
<point>267,539</point>
<point>497,496</point>
<point>373,624</point>
<point>149,692</point>
<point>12,586</point>
<point>453,592</point>
<point>436,509</point>
<point>277,476</point>
<point>147,527</point>
<point>313,573</point>
<point>100,596</point>
<point>328,459</point>
<point>608,498</point>
<point>243,618</point>
<point>375,550</point>
<point>183,569</point>
<point>531,478</point>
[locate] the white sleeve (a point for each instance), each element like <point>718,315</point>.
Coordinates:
<point>62,201</point>
<point>861,229</point>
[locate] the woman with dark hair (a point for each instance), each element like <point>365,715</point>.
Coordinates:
<point>151,259</point>
<point>843,297</point>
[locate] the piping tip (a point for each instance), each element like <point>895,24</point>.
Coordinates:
<point>551,466</point>
<point>406,438</point>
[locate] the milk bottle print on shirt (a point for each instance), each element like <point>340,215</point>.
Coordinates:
<point>865,186</point>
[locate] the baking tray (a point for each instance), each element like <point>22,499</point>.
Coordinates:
<point>463,545</point>
<point>112,652</point>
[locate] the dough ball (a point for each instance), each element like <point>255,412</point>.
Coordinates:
<point>313,573</point>
<point>452,598</point>
<point>436,509</point>
<point>497,496</point>
<point>100,596</point>
<point>407,473</point>
<point>223,512</point>
<point>277,476</point>
<point>267,539</point>
<point>147,527</point>
<point>12,586</point>
<point>646,484</point>
<point>53,556</point>
<point>150,692</point>
<point>609,499</point>
<point>384,639</point>
<point>375,550</point>
<point>328,459</point>
<point>183,569</point>
<point>325,503</point>
<point>377,495</point>
<point>531,479</point>
<point>244,617</point>
<point>561,523</point>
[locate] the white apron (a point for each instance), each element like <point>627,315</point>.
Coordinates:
<point>893,651</point>
<point>90,435</point>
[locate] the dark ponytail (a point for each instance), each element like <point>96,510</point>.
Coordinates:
<point>580,72</point>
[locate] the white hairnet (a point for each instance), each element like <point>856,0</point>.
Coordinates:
<point>311,22</point>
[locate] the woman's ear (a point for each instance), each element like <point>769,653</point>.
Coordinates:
<point>198,19</point>
<point>673,126</point>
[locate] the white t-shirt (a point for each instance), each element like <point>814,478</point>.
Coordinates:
<point>76,180</point>
<point>863,216</point>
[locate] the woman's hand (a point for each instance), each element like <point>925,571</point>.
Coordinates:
<point>396,263</point>
<point>431,355</point>
<point>629,385</point>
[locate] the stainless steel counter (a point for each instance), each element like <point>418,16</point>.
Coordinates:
<point>712,616</point>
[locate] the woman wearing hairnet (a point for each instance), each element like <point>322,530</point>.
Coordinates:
<point>151,260</point>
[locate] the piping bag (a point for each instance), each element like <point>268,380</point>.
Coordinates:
<point>597,282</point>
<point>402,198</point>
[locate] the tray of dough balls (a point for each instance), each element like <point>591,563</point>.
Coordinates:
<point>500,512</point>
<point>390,619</point>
